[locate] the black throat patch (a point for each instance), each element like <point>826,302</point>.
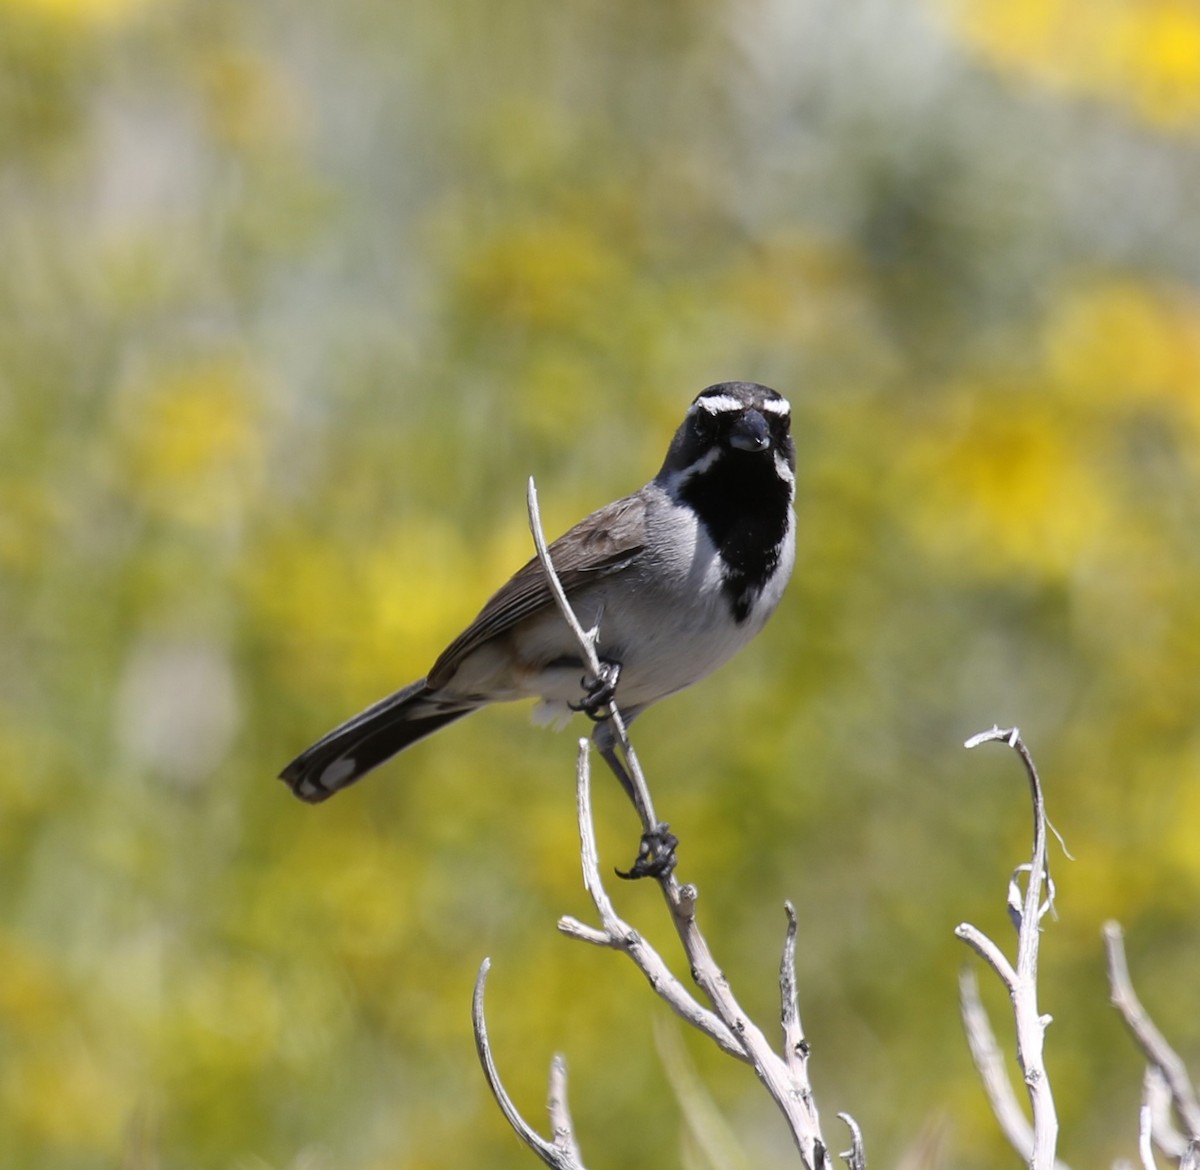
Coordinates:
<point>743,504</point>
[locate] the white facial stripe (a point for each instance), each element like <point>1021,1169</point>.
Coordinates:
<point>703,463</point>
<point>680,477</point>
<point>784,471</point>
<point>776,406</point>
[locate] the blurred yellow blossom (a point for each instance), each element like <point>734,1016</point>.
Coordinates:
<point>544,275</point>
<point>67,1095</point>
<point>1007,488</point>
<point>32,994</point>
<point>1144,54</point>
<point>29,516</point>
<point>81,12</point>
<point>191,446</point>
<point>1120,340</point>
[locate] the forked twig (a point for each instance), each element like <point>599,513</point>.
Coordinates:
<point>1157,1094</point>
<point>989,1063</point>
<point>856,1156</point>
<point>1020,979</point>
<point>616,933</point>
<point>560,1154</point>
<point>1166,1068</point>
<point>726,1023</point>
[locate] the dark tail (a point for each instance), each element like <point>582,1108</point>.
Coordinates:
<point>350,751</point>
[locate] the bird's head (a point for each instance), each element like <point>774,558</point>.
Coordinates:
<point>732,420</point>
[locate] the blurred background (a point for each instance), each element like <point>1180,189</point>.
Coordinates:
<point>294,297</point>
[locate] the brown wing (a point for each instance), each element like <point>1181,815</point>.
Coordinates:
<point>606,542</point>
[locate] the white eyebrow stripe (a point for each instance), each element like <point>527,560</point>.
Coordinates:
<point>718,404</point>
<point>727,404</point>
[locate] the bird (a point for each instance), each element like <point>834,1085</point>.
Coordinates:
<point>675,578</point>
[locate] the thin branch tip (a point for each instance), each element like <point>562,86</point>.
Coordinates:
<point>994,734</point>
<point>1157,1050</point>
<point>856,1156</point>
<point>1035,1142</point>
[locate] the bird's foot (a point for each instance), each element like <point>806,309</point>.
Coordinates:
<point>656,855</point>
<point>599,692</point>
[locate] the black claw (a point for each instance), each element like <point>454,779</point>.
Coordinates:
<point>598,692</point>
<point>656,855</point>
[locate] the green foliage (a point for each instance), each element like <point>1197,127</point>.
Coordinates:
<point>293,298</point>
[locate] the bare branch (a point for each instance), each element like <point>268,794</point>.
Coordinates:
<point>587,640</point>
<point>727,1024</point>
<point>1148,1038</point>
<point>1021,978</point>
<point>1145,1145</point>
<point>569,925</point>
<point>620,936</point>
<point>560,1111</point>
<point>562,1153</point>
<point>988,951</point>
<point>1157,1094</point>
<point>795,1046</point>
<point>989,1063</point>
<point>856,1156</point>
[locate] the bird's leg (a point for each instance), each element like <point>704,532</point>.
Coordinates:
<point>656,853</point>
<point>608,753</point>
<point>598,693</point>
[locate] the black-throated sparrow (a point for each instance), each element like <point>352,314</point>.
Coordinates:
<point>677,578</point>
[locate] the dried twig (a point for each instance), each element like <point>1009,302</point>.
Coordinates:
<point>785,1078</point>
<point>560,1154</point>
<point>616,933</point>
<point>1027,910</point>
<point>587,640</point>
<point>1157,1094</point>
<point>989,1063</point>
<point>856,1156</point>
<point>727,1024</point>
<point>1145,1143</point>
<point>1158,1052</point>
<point>795,1047</point>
